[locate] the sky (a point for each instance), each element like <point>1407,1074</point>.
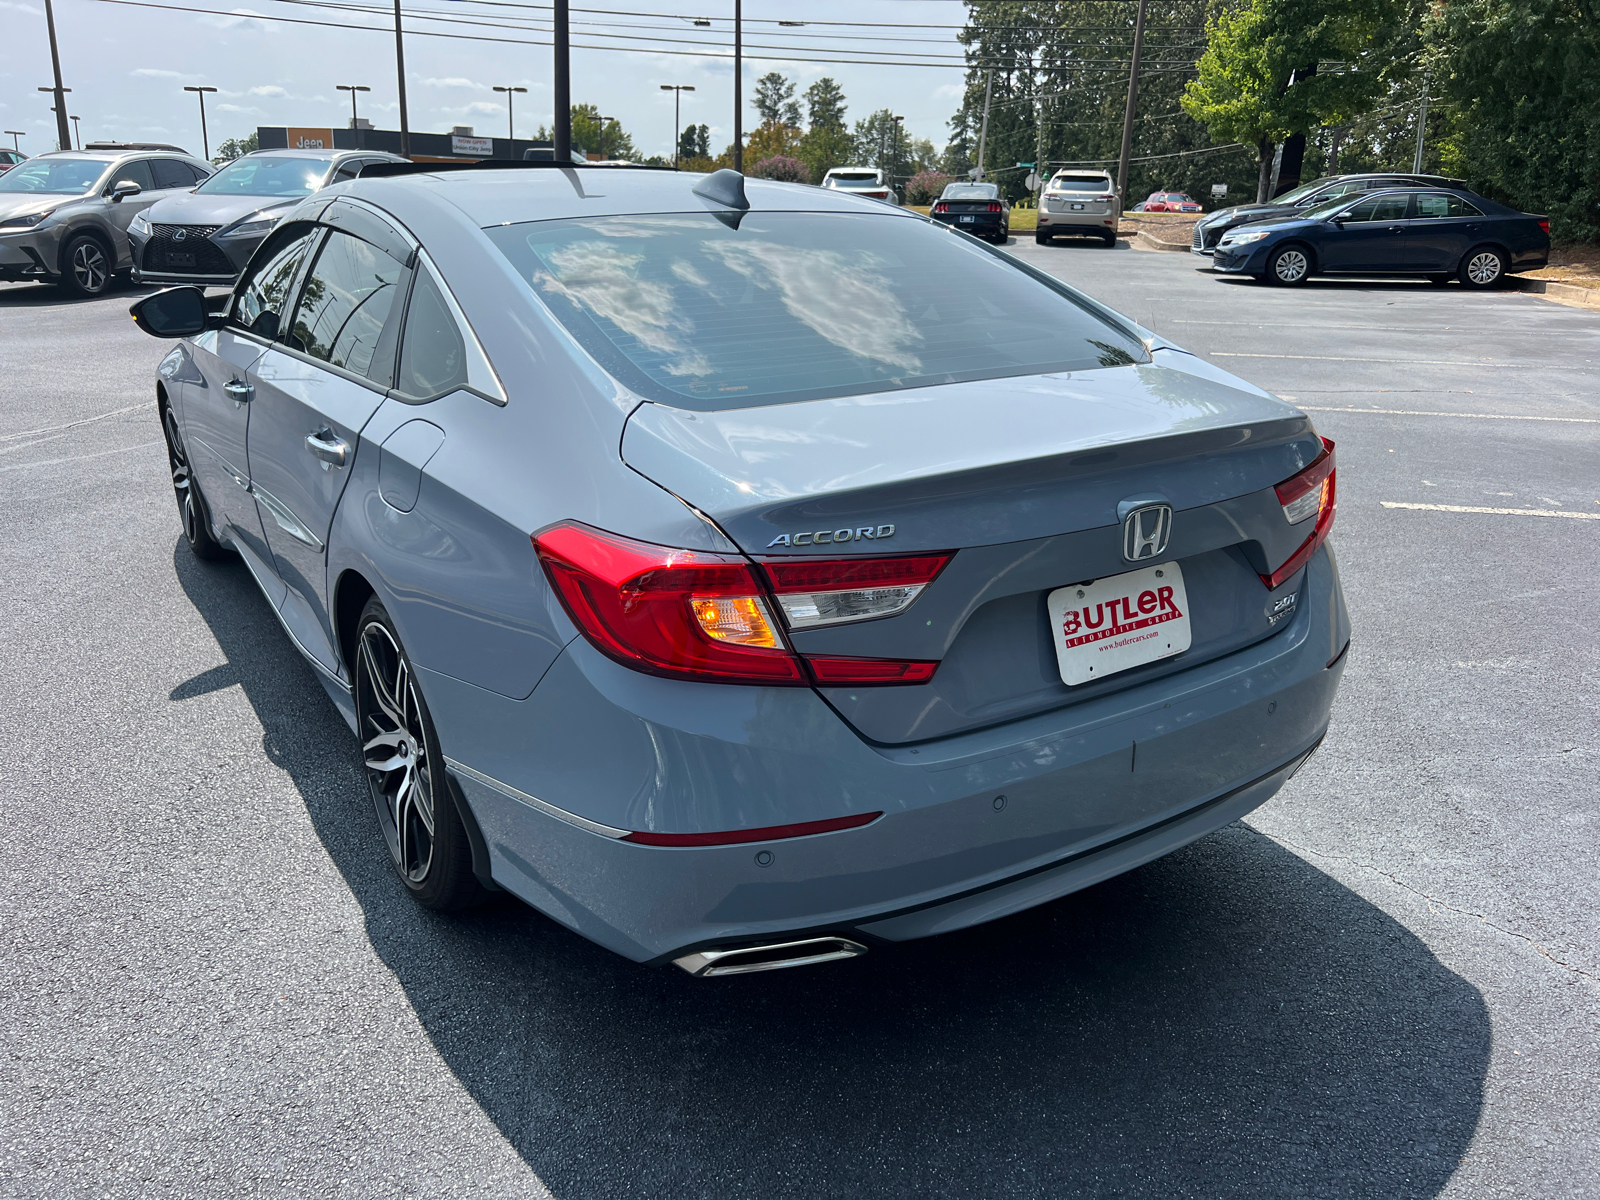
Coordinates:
<point>127,64</point>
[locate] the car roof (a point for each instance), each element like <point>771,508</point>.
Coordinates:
<point>113,155</point>
<point>324,154</point>
<point>510,195</point>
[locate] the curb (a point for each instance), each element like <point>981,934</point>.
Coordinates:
<point>1149,241</point>
<point>1561,293</point>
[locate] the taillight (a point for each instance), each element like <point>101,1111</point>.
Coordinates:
<point>767,833</point>
<point>1544,224</point>
<point>994,206</point>
<point>815,592</point>
<point>941,206</point>
<point>690,614</point>
<point>1311,493</point>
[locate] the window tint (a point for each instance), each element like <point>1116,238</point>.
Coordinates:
<point>200,174</point>
<point>263,298</point>
<point>347,171</point>
<point>1445,206</point>
<point>344,304</point>
<point>170,173</point>
<point>799,306</point>
<point>137,171</point>
<point>1379,208</point>
<point>1080,183</point>
<point>433,354</point>
<point>56,176</point>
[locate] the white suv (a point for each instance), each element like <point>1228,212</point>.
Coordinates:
<point>861,181</point>
<point>1079,202</point>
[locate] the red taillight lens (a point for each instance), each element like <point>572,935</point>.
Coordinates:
<point>768,833</point>
<point>1307,494</point>
<point>681,613</point>
<point>994,206</point>
<point>941,206</point>
<point>1544,224</point>
<point>688,614</point>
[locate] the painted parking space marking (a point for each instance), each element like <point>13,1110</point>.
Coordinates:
<point>1417,412</point>
<point>1499,512</point>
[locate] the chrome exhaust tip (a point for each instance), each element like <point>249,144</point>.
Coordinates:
<point>742,960</point>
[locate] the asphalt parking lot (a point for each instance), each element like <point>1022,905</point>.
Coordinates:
<point>1385,983</point>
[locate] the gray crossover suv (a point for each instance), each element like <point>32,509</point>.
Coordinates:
<point>207,236</point>
<point>64,216</point>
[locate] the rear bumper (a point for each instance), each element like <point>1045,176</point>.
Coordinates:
<point>975,826</point>
<point>980,223</point>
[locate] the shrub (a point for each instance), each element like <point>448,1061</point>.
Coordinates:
<point>782,168</point>
<point>926,186</point>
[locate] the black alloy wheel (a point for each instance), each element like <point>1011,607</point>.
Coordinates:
<point>1289,266</point>
<point>192,509</point>
<point>1483,267</point>
<point>406,773</point>
<point>88,266</point>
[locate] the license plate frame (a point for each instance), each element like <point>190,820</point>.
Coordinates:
<point>968,220</point>
<point>1142,617</point>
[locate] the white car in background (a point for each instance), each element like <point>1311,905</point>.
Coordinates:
<point>861,181</point>
<point>1081,203</point>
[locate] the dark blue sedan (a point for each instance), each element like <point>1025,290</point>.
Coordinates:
<point>1413,231</point>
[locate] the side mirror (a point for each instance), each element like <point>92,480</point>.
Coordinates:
<point>174,313</point>
<point>124,188</point>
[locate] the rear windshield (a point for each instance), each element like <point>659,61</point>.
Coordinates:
<point>688,311</point>
<point>267,177</point>
<point>855,177</point>
<point>971,191</point>
<point>1080,183</point>
<point>54,176</point>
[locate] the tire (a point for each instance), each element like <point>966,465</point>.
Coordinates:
<point>87,266</point>
<point>1110,239</point>
<point>405,772</point>
<point>192,510</point>
<point>1041,239</point>
<point>1483,267</point>
<point>1289,266</point>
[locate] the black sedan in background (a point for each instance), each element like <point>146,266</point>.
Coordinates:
<point>975,207</point>
<point>1209,229</point>
<point>1435,233</point>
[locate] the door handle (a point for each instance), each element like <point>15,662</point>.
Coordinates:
<point>333,450</point>
<point>239,391</point>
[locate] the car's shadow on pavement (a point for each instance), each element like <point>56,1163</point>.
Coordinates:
<point>1228,1021</point>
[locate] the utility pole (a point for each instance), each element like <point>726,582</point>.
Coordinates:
<point>677,90</point>
<point>63,140</point>
<point>561,127</point>
<point>1133,101</point>
<point>983,133</point>
<point>205,141</point>
<point>400,74</point>
<point>603,121</point>
<point>352,88</point>
<point>511,125</point>
<point>738,86</point>
<point>1422,125</point>
<point>895,158</point>
<point>14,134</point>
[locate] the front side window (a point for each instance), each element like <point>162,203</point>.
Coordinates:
<point>252,176</point>
<point>345,303</point>
<point>263,297</point>
<point>54,176</point>
<point>138,172</point>
<point>799,306</point>
<point>1379,208</point>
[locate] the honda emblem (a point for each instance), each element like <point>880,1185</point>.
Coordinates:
<point>1145,532</point>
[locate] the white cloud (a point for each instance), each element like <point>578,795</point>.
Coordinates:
<point>22,8</point>
<point>270,89</point>
<point>157,73</point>
<point>235,108</point>
<point>245,18</point>
<point>456,81</point>
<point>480,108</point>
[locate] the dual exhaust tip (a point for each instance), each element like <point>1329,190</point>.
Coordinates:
<point>744,960</point>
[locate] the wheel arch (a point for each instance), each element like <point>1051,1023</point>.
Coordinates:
<point>1313,263</point>
<point>89,229</point>
<point>350,595</point>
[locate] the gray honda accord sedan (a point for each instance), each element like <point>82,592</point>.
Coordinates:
<point>744,574</point>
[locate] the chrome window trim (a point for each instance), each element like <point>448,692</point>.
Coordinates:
<point>505,789</point>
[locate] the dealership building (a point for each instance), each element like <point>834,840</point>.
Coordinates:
<point>459,145</point>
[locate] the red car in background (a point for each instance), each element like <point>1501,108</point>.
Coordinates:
<point>1170,202</point>
<point>10,158</point>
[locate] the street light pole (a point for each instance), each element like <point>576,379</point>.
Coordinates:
<point>738,86</point>
<point>511,120</point>
<point>677,90</point>
<point>894,160</point>
<point>352,88</point>
<point>561,127</point>
<point>63,142</point>
<point>205,140</point>
<point>1133,100</point>
<point>76,136</point>
<point>400,71</point>
<point>14,134</point>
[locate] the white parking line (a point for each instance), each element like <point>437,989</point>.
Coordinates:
<point>55,462</point>
<point>115,412</point>
<point>1415,412</point>
<point>1500,512</point>
<point>1414,362</point>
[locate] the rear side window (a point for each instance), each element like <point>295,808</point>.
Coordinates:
<point>693,312</point>
<point>137,171</point>
<point>433,354</point>
<point>263,298</point>
<point>170,173</point>
<point>1445,206</point>
<point>345,304</point>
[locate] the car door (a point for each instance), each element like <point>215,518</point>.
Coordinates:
<point>1441,228</point>
<point>1370,235</point>
<point>314,391</point>
<point>119,214</point>
<point>218,399</point>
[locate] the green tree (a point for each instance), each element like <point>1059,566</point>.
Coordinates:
<point>774,100</point>
<point>1275,68</point>
<point>607,139</point>
<point>827,142</point>
<point>1522,109</point>
<point>694,142</point>
<point>236,147</point>
<point>881,142</point>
